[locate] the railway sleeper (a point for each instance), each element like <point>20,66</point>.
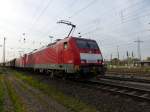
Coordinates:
<point>145,95</point>
<point>122,91</point>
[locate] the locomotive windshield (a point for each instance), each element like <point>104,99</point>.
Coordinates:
<point>86,44</point>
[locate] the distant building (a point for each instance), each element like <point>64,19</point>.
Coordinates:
<point>144,63</point>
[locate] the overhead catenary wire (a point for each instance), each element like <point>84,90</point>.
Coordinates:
<point>77,12</point>
<point>109,11</point>
<point>83,8</point>
<point>116,25</point>
<point>55,26</point>
<point>121,23</point>
<point>126,21</point>
<point>40,14</point>
<point>131,5</point>
<point>98,29</point>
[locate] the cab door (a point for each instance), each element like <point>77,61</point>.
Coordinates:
<point>68,53</point>
<point>60,51</point>
<point>65,52</point>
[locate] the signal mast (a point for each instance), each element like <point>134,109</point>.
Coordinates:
<point>67,23</point>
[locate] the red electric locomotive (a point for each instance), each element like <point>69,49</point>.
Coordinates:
<point>73,56</point>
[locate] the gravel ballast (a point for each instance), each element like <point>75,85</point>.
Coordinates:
<point>103,101</point>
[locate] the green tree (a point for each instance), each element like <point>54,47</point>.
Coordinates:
<point>115,61</point>
<point>148,59</point>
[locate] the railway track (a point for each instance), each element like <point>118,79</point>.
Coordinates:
<point>138,89</point>
<point>127,78</point>
<point>121,88</point>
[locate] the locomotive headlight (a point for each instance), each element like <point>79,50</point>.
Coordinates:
<point>99,61</point>
<point>83,61</point>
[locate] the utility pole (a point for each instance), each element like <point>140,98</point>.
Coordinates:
<point>132,55</point>
<point>118,52</point>
<point>139,48</point>
<point>127,58</point>
<point>111,57</point>
<point>4,52</point>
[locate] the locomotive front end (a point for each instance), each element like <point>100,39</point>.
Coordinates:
<point>91,60</point>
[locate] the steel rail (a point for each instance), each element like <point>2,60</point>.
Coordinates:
<point>131,78</point>
<point>121,89</point>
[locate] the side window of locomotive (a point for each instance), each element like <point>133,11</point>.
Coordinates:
<point>65,45</point>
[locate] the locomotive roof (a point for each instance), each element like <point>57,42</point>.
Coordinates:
<point>57,41</point>
<point>83,38</point>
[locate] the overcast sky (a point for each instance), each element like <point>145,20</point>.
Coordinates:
<point>111,23</point>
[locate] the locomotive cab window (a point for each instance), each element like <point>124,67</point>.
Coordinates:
<point>65,45</point>
<point>86,44</point>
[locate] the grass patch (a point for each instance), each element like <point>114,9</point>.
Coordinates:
<point>1,94</point>
<point>69,102</point>
<point>18,105</point>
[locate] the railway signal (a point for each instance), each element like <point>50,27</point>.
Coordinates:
<point>4,51</point>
